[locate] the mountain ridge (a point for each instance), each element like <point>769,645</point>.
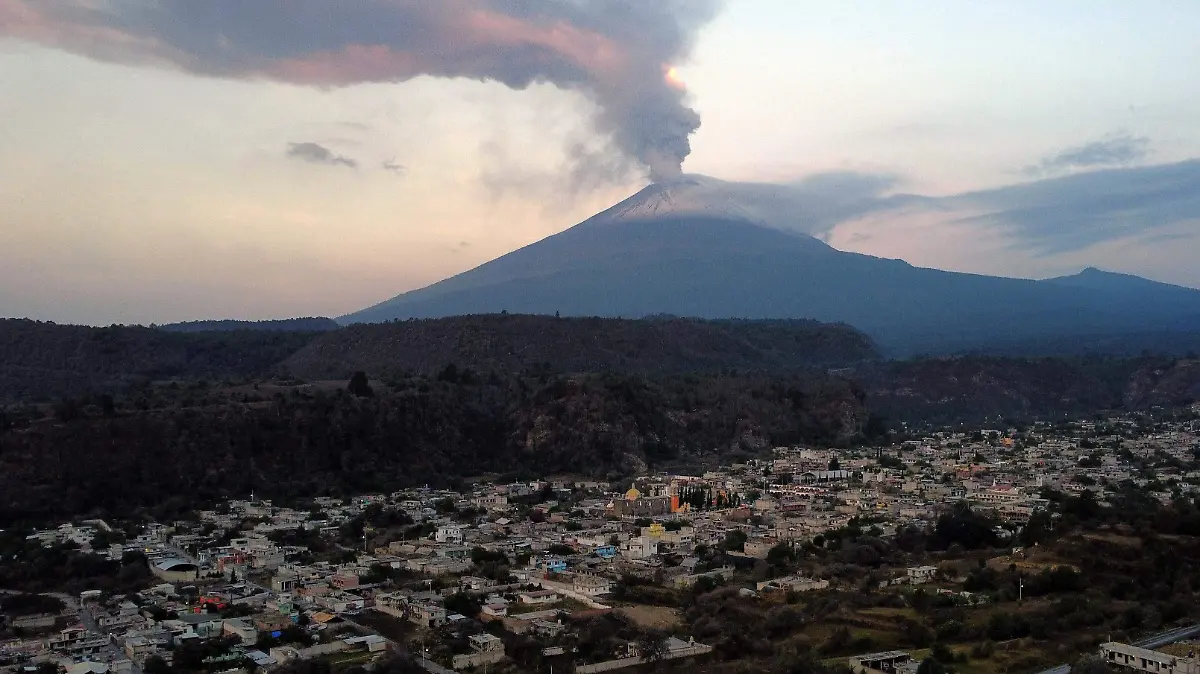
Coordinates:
<point>668,249</point>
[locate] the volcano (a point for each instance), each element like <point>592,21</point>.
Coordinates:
<point>696,248</point>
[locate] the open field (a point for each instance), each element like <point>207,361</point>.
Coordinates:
<point>652,617</point>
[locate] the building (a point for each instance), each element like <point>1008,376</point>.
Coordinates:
<point>590,585</point>
<point>240,629</point>
<point>792,584</point>
<point>539,597</point>
<point>890,662</point>
<point>176,571</point>
<point>485,650</point>
<point>451,533</point>
<point>918,575</point>
<point>1146,660</point>
<point>426,615</point>
<point>641,547</point>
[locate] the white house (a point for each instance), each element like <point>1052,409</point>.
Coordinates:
<point>451,533</point>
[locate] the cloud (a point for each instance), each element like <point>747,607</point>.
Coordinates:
<point>314,153</point>
<point>1073,212</point>
<point>391,166</point>
<point>1049,217</point>
<point>615,52</point>
<point>1143,220</point>
<point>1118,150</point>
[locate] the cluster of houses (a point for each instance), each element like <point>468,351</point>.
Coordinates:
<point>559,546</point>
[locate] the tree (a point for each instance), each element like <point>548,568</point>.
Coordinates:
<point>652,647</point>
<point>834,464</point>
<point>359,385</point>
<point>931,665</point>
<point>156,665</point>
<point>463,604</point>
<point>781,556</point>
<point>735,541</point>
<point>1090,664</point>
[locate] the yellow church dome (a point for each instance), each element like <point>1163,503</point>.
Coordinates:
<point>633,494</point>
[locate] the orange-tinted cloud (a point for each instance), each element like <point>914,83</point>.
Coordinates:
<point>614,51</point>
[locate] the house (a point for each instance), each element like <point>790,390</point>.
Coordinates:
<point>451,533</point>
<point>606,551</point>
<point>792,584</point>
<point>268,623</point>
<point>426,615</point>
<point>495,609</point>
<point>203,625</point>
<point>476,584</point>
<point>889,662</point>
<point>1146,660</point>
<point>918,575</point>
<point>590,585</point>
<point>240,629</point>
<point>347,580</point>
<point>539,597</point>
<point>485,649</point>
<point>641,547</point>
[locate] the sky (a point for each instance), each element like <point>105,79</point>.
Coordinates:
<point>164,160</point>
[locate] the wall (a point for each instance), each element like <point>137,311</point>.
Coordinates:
<point>609,665</point>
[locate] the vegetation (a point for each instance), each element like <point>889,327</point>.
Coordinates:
<point>1115,573</point>
<point>309,324</point>
<point>46,361</point>
<point>168,450</point>
<point>513,343</point>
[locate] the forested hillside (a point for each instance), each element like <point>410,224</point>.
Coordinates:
<point>112,419</point>
<point>975,388</point>
<point>43,361</point>
<point>188,444</point>
<point>310,324</point>
<point>511,343</point>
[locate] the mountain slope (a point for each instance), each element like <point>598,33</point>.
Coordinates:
<point>681,250</point>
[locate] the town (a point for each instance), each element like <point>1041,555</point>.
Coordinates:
<point>585,575</point>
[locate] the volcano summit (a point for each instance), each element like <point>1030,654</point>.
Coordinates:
<point>704,248</point>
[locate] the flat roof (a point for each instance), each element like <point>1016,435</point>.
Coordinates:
<point>884,655</point>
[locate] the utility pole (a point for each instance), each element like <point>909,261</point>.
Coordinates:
<point>1020,589</point>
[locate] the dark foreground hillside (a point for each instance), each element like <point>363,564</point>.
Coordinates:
<point>46,361</point>
<point>188,444</point>
<point>975,388</point>
<point>42,361</point>
<point>512,343</point>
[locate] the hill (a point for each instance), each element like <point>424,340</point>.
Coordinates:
<point>167,447</point>
<point>307,324</point>
<point>981,388</point>
<point>513,343</point>
<point>684,249</point>
<point>45,360</point>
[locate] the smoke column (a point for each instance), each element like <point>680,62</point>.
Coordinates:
<point>616,52</point>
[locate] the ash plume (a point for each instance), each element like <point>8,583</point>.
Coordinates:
<point>616,52</point>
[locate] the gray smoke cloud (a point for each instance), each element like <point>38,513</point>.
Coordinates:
<point>314,153</point>
<point>616,52</point>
